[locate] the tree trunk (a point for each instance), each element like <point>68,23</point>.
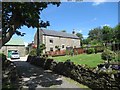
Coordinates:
<point>8,36</point>
<point>14,24</point>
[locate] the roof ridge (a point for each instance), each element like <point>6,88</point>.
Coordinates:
<point>58,33</point>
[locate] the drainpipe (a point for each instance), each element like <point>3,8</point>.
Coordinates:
<point>38,53</point>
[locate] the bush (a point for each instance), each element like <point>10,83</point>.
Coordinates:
<point>3,56</point>
<point>4,59</point>
<point>33,52</point>
<point>118,56</point>
<point>99,49</point>
<point>90,50</point>
<point>108,55</point>
<point>67,52</point>
<point>71,52</point>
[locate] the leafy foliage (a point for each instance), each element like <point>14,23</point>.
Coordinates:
<point>42,47</point>
<point>108,55</point>
<point>95,34</point>
<point>107,34</point>
<point>17,14</point>
<point>80,36</point>
<point>3,57</point>
<point>33,52</point>
<point>117,33</point>
<point>99,49</point>
<point>86,41</point>
<point>104,34</point>
<point>90,50</point>
<point>63,31</point>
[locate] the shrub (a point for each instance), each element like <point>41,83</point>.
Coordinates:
<point>33,52</point>
<point>99,49</point>
<point>67,52</point>
<point>71,52</point>
<point>3,56</point>
<point>108,55</point>
<point>90,50</point>
<point>45,55</point>
<point>118,56</point>
<point>41,48</point>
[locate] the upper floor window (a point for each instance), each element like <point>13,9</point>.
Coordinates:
<point>51,41</point>
<point>74,46</point>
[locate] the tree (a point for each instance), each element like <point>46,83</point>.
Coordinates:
<point>107,34</point>
<point>116,30</point>
<point>63,31</point>
<point>95,34</point>
<point>80,37</point>
<point>17,14</point>
<point>86,41</point>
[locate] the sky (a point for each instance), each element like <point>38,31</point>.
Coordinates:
<point>80,16</point>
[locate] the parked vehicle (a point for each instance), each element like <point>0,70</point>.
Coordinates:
<point>15,55</point>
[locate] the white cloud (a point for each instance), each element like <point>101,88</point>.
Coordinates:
<point>105,25</point>
<point>80,31</point>
<point>94,19</point>
<point>98,2</point>
<point>85,36</point>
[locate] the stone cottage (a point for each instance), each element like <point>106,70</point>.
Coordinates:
<point>15,44</point>
<point>55,39</point>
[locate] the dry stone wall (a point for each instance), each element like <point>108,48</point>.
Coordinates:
<point>10,78</point>
<point>79,73</point>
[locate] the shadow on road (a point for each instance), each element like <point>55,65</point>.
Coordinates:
<point>33,77</point>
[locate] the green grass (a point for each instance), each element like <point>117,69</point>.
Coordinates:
<point>91,60</point>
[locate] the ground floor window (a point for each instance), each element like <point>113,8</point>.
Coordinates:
<point>63,46</point>
<point>51,49</point>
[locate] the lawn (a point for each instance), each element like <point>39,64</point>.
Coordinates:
<point>92,60</point>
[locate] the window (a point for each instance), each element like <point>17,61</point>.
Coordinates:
<point>51,49</point>
<point>74,46</point>
<point>59,49</point>
<point>63,46</point>
<point>51,41</point>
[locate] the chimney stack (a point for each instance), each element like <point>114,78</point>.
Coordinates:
<point>73,32</point>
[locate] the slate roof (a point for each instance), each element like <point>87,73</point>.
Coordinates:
<point>58,34</point>
<point>15,41</point>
